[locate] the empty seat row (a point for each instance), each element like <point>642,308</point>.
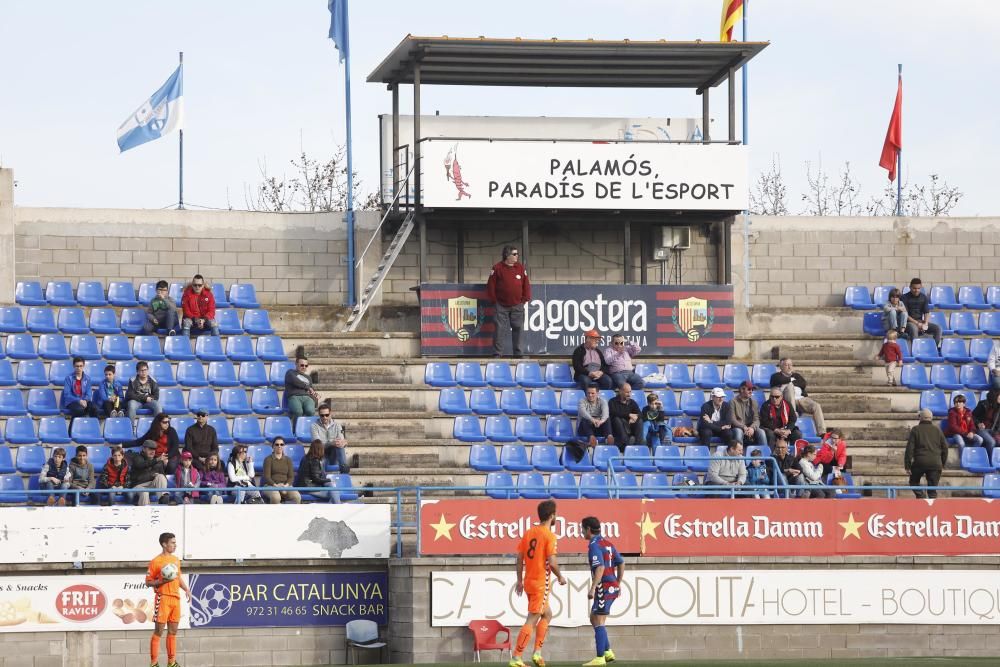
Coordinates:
<point>74,320</point>
<point>32,373</point>
<point>940,296</point>
<point>123,294</point>
<point>976,460</point>
<point>945,376</point>
<point>938,403</point>
<point>145,348</point>
<point>963,323</point>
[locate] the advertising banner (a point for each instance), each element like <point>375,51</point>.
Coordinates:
<point>70,603</point>
<point>287,599</point>
<point>735,597</point>
<point>663,320</point>
<point>724,527</point>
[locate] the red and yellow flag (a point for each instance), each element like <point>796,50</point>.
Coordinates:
<point>732,12</point>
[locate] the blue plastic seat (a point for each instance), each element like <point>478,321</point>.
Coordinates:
<point>964,324</point>
<point>41,320</point>
<point>146,293</point>
<point>691,401</point>
<point>979,350</point>
<point>191,374</point>
<point>915,377</point>
<point>118,430</point>
<point>303,428</point>
<point>20,431</point>
<point>344,488</point>
<point>645,370</point>
<point>124,370</point>
<point>222,431</point>
<point>626,486</point>
<point>254,374</point>
<point>559,429</point>
<point>514,457</point>
<point>29,293</point>
<point>563,485</point>
<point>971,296</point>
<point>499,429</point>
<point>12,489</point>
<point>221,300</point>
<point>559,375</point>
<point>271,348</point>
<point>880,297</point>
<point>42,402</point>
<point>296,453</point>
<point>943,296</point>
<point>229,323</point>
<point>90,293</point>
<point>452,401</point>
<point>265,401</point>
<point>6,462</point>
<point>514,402</point>
<point>955,351</point>
<point>240,348</point>
<point>602,454</point>
<point>12,403</point>
<point>97,456</point>
<point>52,346</point>
<point>200,398</point>
<point>945,376</point>
<point>276,374</point>
<point>545,458</point>
<point>873,324</point>
<point>975,460</point>
<point>695,458</point>
<point>498,374</point>
<point>234,402</point>
<point>468,429</point>
<point>990,323</point>
<point>256,322</point>
<point>11,320</point>
<point>20,346</point>
<point>133,321</point>
<point>277,426</point>
<point>500,485</point>
<point>656,485</point>
<point>246,430</point>
<point>529,429</point>
<point>925,351</point>
<point>904,347</point>
<point>176,291</point>
<point>844,493</point>
<point>52,430</point>
<point>593,485</point>
<point>858,298</point>
<point>122,294</point>
<point>163,373</point>
<point>72,321</point>
<point>243,295</point>
<point>147,348</point>
<point>59,293</point>
<point>991,484</point>
<point>569,401</point>
<point>668,458</point>
<point>544,402</point>
<point>84,346</point>
<point>935,401</point>
<point>172,401</point>
<point>469,374</point>
<point>30,459</point>
<point>31,373</point>
<point>808,428</point>
<point>87,431</point>
<point>638,459</point>
<point>993,295</point>
<point>585,464</point>
<point>941,319</point>
<point>209,348</point>
<point>225,449</point>
<point>483,401</point>
<point>669,400</point>
<point>483,457</point>
<point>528,374</point>
<point>685,422</point>
<point>531,486</point>
<point>58,370</point>
<point>607,394</point>
<point>116,348</point>
<point>178,348</point>
<point>104,321</point>
<point>974,376</point>
<point>678,377</point>
<point>257,453</point>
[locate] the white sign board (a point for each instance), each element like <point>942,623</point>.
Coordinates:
<point>129,533</point>
<point>735,597</point>
<point>582,175</point>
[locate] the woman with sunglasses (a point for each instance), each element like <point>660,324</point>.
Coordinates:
<point>166,439</point>
<point>241,475</point>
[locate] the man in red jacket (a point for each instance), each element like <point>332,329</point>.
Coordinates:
<point>198,304</point>
<point>509,289</point>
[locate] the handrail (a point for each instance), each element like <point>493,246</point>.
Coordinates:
<point>388,210</point>
<point>767,460</point>
<point>588,141</point>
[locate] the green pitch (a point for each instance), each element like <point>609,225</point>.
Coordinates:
<point>908,662</point>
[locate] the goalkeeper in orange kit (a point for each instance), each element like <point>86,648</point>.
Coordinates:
<point>167,604</point>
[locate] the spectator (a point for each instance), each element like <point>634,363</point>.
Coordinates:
<point>110,395</point>
<point>894,313</point>
<point>142,392</point>
<point>508,289</point>
<point>716,419</point>
<point>892,355</point>
<point>161,313</point>
<point>619,360</point>
<point>81,475</point>
<point>114,475</point>
<point>728,470</point>
<point>240,472</point>
<point>987,418</point>
<point>213,477</point>
<point>55,475</point>
<point>331,434</point>
<point>592,420</point>
<point>790,475</point>
<point>655,421</point>
<point>745,414</point>
<point>757,475</point>
<point>625,418</point>
<point>993,364</point>
<point>812,475</point>
<point>777,418</point>
<point>278,471</point>
<point>961,428</point>
<point>926,453</point>
<point>167,442</point>
<point>187,477</point>
<point>201,440</point>
<point>312,473</point>
<point>589,367</point>
<point>198,304</point>
<point>77,393</point>
<point>917,308</point>
<point>147,471</point>
<point>300,396</point>
<point>832,451</point>
<point>794,387</point>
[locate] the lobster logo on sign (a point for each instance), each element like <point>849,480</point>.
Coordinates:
<point>453,173</point>
<point>693,317</point>
<point>463,317</point>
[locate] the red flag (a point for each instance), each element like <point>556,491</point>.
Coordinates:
<point>894,135</point>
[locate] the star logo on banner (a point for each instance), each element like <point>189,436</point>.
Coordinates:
<point>442,529</point>
<point>646,527</point>
<point>851,526</point>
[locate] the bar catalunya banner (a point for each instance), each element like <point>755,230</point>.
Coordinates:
<point>716,527</point>
<point>128,533</point>
<point>734,597</point>
<point>287,599</point>
<point>671,320</point>
<point>77,602</point>
<point>471,173</point>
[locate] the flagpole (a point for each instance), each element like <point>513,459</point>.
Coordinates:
<point>350,166</point>
<point>746,214</point>
<point>899,162</point>
<point>180,156</point>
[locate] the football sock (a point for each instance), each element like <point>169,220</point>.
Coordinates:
<point>541,630</point>
<point>154,648</point>
<point>600,640</point>
<point>171,647</point>
<point>522,640</point>
<point>604,639</point>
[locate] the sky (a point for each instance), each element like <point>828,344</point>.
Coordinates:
<point>262,81</point>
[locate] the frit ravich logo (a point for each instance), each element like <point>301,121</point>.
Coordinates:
<point>693,317</point>
<point>463,317</point>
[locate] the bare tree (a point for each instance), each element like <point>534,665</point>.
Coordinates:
<point>817,195</point>
<point>938,198</point>
<point>315,187</point>
<point>769,195</point>
<point>845,193</point>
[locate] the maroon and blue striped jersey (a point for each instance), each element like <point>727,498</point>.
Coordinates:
<point>604,557</point>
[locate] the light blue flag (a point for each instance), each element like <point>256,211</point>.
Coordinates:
<point>161,114</point>
<point>338,26</point>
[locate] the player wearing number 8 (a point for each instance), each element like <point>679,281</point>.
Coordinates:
<point>607,568</point>
<point>536,563</point>
<point>164,576</point>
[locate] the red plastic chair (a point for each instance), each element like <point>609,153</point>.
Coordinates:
<point>485,637</point>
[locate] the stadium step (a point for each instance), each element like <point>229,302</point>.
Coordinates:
<point>384,265</point>
<point>816,350</point>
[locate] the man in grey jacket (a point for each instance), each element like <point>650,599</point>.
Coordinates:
<point>729,470</point>
<point>746,418</point>
<point>331,434</point>
<point>592,420</point>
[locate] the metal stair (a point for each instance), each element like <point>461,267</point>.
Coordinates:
<point>388,259</point>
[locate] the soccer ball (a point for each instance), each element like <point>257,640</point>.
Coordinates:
<point>215,599</point>
<point>168,572</point>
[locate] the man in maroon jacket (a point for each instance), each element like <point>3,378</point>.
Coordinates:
<point>198,304</point>
<point>509,289</point>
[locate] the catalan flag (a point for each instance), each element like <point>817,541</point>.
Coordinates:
<point>732,12</point>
